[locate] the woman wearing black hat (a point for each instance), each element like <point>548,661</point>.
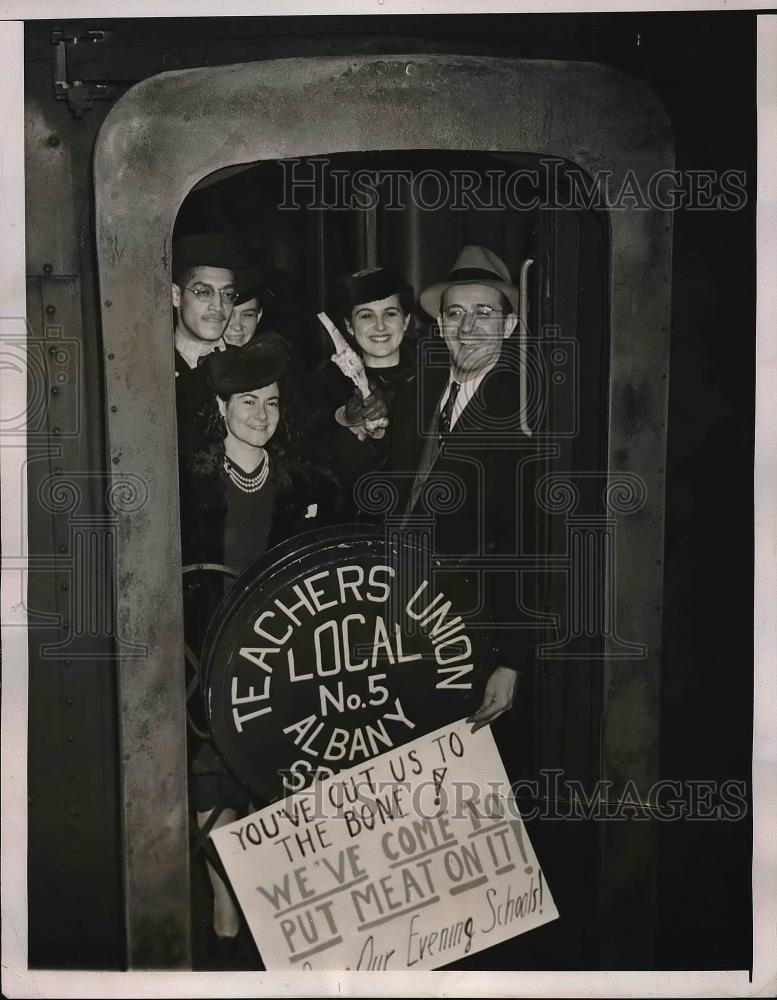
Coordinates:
<point>247,489</point>
<point>374,308</point>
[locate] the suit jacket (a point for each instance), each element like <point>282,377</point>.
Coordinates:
<point>472,487</point>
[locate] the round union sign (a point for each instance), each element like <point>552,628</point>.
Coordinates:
<point>336,647</point>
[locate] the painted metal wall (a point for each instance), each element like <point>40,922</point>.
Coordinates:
<point>74,879</point>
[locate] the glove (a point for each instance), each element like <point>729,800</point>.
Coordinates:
<point>365,417</point>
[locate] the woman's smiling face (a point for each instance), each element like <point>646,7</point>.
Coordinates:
<point>252,417</point>
<point>378,328</point>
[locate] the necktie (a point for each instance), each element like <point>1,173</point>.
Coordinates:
<point>444,426</point>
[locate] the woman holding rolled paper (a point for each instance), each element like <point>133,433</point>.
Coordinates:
<point>352,418</point>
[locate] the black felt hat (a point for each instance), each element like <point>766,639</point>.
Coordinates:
<point>371,285</point>
<point>210,250</point>
<point>241,369</point>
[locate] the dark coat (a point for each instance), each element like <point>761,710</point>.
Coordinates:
<point>325,390</point>
<point>296,485</point>
<point>480,468</point>
<point>193,393</point>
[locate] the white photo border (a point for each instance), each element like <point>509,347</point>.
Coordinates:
<point>18,980</point>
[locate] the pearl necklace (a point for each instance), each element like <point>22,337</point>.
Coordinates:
<point>248,483</point>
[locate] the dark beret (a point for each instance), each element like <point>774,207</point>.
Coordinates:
<point>241,369</point>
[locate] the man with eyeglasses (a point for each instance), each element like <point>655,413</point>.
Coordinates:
<point>208,272</point>
<point>204,291</point>
<point>460,432</point>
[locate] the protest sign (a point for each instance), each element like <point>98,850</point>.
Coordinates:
<point>410,861</point>
<point>337,647</point>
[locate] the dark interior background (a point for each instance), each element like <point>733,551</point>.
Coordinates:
<point>702,67</point>
<point>303,252</point>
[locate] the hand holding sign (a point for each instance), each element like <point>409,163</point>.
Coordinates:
<point>348,361</point>
<point>497,698</point>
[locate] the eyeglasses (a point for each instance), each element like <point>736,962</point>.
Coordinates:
<point>205,293</point>
<point>456,314</point>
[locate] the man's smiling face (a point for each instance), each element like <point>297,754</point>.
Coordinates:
<point>204,301</point>
<point>474,322</point>
<point>242,323</point>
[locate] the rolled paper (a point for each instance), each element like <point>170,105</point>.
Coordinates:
<point>350,364</point>
<point>346,359</point>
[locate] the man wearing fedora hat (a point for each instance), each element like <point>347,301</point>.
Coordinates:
<point>460,428</point>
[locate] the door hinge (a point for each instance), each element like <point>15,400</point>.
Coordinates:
<point>80,95</point>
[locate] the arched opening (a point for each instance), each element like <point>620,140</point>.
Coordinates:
<point>596,295</point>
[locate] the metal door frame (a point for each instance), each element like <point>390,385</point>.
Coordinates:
<point>149,155</point>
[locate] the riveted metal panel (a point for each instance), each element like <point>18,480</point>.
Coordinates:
<point>72,810</point>
<point>149,155</point>
<point>48,164</point>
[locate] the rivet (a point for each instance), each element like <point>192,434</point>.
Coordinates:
<point>66,626</point>
<point>62,548</point>
<point>53,351</point>
<point>54,390</point>
<point>116,460</point>
<point>68,701</point>
<point>56,431</point>
<point>108,303</point>
<point>114,409</point>
<point>58,471</point>
<point>73,813</point>
<point>71,739</point>
<point>74,849</point>
<point>68,663</point>
<point>63,585</point>
<point>411,69</point>
<point>53,140</point>
<point>48,268</point>
<point>50,310</point>
<point>71,777</point>
<point>111,357</point>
